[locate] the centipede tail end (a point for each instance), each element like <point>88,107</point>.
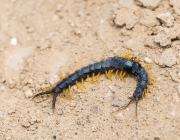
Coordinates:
<point>136,106</point>
<point>125,106</point>
<point>42,93</point>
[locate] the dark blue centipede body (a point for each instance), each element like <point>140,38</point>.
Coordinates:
<point>118,63</point>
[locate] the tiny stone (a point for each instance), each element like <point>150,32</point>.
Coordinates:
<point>157,99</point>
<point>25,123</point>
<point>150,4</point>
<point>28,93</point>
<point>148,60</point>
<point>166,18</point>
<point>30,29</point>
<point>30,81</point>
<point>13,41</point>
<point>73,104</point>
<point>54,137</point>
<point>119,116</point>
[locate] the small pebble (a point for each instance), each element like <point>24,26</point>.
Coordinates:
<point>119,116</point>
<point>28,93</point>
<point>13,41</point>
<point>166,18</point>
<point>25,123</point>
<point>30,81</point>
<point>54,137</point>
<point>72,103</point>
<point>157,99</point>
<point>148,60</point>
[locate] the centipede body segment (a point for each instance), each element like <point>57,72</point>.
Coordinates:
<point>111,63</point>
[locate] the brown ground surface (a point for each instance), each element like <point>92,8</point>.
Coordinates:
<point>62,36</point>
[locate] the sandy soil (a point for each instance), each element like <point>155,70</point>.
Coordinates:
<point>39,39</point>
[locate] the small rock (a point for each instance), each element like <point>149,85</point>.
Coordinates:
<point>125,16</point>
<point>13,41</point>
<point>25,123</point>
<point>1,114</point>
<point>167,58</point>
<point>147,60</point>
<point>30,81</point>
<point>157,99</point>
<point>28,93</point>
<point>30,29</point>
<point>179,89</point>
<point>10,82</point>
<point>175,98</point>
<point>119,116</point>
<point>148,18</point>
<point>72,104</point>
<point>54,79</point>
<point>130,23</point>
<point>150,4</point>
<point>166,35</point>
<point>149,42</point>
<point>166,18</point>
<point>77,32</point>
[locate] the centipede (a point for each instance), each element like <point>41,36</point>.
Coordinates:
<point>118,64</point>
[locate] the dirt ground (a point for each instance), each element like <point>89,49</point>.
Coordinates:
<point>39,39</point>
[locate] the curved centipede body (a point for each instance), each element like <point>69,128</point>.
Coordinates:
<point>116,63</point>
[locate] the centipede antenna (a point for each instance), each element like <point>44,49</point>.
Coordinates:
<point>136,106</point>
<point>127,104</point>
<point>42,93</point>
<point>54,99</point>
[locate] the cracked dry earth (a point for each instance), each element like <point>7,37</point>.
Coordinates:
<point>39,39</point>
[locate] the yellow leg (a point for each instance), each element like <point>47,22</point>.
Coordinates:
<point>151,82</point>
<point>49,88</point>
<point>151,75</point>
<point>138,60</point>
<point>102,57</point>
<point>147,66</point>
<point>121,74</point>
<point>66,94</point>
<point>98,75</point>
<point>110,72</point>
<point>82,81</point>
<point>127,55</point>
<point>88,79</point>
<point>124,74</point>
<point>77,84</point>
<point>70,92</point>
<point>93,77</point>
<point>107,74</point>
<point>149,89</point>
<point>117,71</point>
